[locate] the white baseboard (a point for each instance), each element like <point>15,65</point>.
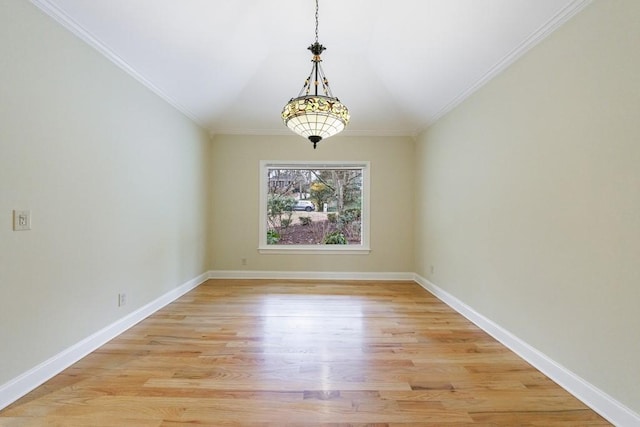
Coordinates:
<point>309,275</point>
<point>34,377</point>
<point>614,411</point>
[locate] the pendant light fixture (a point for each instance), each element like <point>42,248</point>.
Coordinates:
<point>312,115</point>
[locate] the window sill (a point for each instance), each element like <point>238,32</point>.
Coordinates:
<point>315,249</point>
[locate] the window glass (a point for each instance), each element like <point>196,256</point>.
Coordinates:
<point>314,207</point>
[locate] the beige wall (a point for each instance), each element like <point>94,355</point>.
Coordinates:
<point>529,199</point>
<point>116,182</point>
<point>235,179</point>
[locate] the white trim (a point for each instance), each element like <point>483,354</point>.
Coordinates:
<point>314,250</point>
<point>34,377</point>
<point>67,22</point>
<point>510,58</point>
<point>309,275</point>
<point>590,395</point>
<point>313,164</point>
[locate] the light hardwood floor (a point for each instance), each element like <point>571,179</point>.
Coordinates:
<point>294,353</point>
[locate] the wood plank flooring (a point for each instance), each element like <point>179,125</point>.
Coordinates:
<point>294,353</point>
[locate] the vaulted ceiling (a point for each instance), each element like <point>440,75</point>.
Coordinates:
<point>231,65</point>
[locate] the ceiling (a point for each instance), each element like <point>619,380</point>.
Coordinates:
<point>231,65</point>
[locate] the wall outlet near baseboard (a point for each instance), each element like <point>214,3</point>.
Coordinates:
<point>122,299</point>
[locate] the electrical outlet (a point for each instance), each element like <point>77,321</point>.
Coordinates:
<point>122,299</point>
<point>243,261</point>
<point>432,269</point>
<point>21,220</point>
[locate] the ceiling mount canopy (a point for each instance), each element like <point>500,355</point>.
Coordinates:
<point>313,115</point>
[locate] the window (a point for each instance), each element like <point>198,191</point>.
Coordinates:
<point>314,207</point>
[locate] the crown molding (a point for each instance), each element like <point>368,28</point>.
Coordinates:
<point>286,132</point>
<point>60,16</point>
<point>536,37</point>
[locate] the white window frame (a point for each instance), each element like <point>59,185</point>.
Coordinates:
<point>351,249</point>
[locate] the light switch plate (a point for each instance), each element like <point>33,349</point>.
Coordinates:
<point>21,220</point>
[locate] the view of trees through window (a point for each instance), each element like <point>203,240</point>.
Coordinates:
<point>314,206</point>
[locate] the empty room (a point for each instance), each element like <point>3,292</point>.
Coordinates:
<point>319,213</point>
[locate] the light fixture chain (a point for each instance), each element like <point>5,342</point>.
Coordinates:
<point>316,21</point>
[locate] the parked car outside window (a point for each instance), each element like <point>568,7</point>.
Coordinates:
<point>304,205</point>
